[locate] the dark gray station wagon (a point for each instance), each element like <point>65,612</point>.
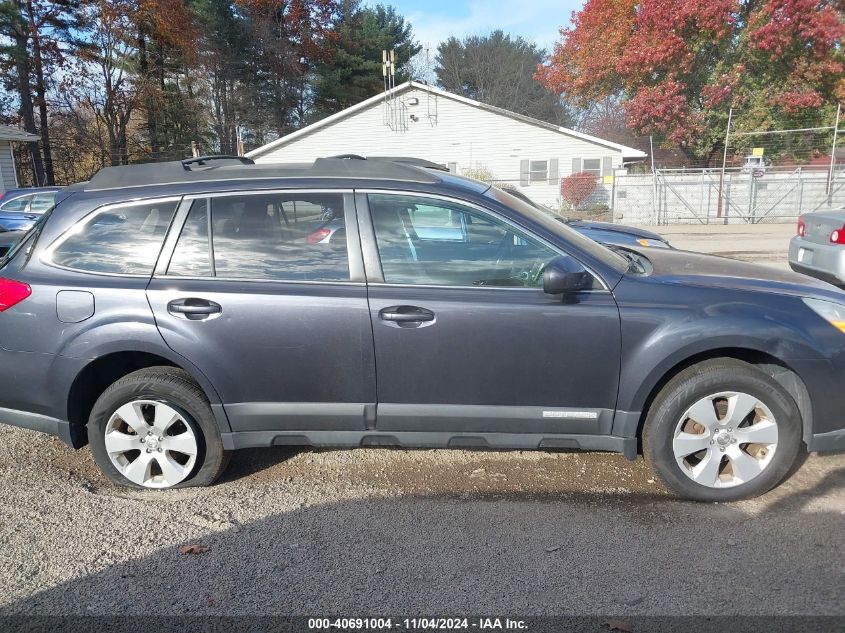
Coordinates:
<point>168,314</point>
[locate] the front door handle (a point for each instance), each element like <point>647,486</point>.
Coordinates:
<point>406,316</point>
<point>193,309</point>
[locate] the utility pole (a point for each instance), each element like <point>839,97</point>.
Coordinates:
<point>832,156</point>
<point>724,160</point>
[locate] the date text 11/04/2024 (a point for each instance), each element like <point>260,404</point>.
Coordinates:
<point>417,624</point>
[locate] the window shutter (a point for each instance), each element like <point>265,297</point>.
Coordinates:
<point>524,173</point>
<point>607,166</point>
<point>576,165</point>
<point>554,172</point>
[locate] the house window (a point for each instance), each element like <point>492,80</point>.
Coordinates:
<point>592,166</point>
<point>539,171</point>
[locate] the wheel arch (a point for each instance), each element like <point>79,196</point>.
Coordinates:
<point>631,424</point>
<point>96,376</point>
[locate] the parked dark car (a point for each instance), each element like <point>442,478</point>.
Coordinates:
<point>170,313</point>
<point>608,233</point>
<point>613,234</point>
<point>20,208</point>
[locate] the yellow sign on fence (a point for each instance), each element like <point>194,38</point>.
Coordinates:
<point>757,151</point>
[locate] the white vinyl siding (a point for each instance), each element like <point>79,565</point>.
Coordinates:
<point>8,176</point>
<point>460,133</point>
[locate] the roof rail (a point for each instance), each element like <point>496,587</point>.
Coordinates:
<point>403,160</point>
<point>242,168</point>
<point>202,160</point>
<point>414,162</point>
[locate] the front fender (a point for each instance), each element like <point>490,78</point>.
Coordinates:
<point>661,333</point>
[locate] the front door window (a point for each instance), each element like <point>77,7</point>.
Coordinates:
<point>428,241</point>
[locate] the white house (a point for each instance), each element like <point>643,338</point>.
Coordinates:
<point>8,173</point>
<point>415,119</point>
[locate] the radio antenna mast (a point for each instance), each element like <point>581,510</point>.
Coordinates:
<point>388,72</point>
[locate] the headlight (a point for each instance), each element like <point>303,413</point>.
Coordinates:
<point>833,313</point>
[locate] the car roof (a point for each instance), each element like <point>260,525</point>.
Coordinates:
<point>209,169</point>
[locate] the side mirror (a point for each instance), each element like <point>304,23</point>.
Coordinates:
<point>563,275</point>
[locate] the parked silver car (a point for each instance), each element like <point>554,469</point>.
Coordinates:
<point>818,249</point>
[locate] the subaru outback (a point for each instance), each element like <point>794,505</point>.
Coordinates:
<point>168,314</point>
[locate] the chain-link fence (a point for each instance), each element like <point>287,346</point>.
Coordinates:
<point>758,175</point>
<point>747,196</point>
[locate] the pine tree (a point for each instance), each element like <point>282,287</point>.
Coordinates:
<point>353,73</point>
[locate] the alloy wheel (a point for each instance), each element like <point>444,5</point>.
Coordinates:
<point>725,439</point>
<point>151,444</point>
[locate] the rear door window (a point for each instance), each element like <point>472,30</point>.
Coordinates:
<point>192,256</point>
<point>119,239</point>
<point>269,236</point>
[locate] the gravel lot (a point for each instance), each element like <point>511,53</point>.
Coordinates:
<point>429,532</point>
<point>766,244</point>
<point>375,531</point>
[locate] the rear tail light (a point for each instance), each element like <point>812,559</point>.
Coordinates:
<point>801,227</point>
<point>319,235</point>
<point>837,236</point>
<point>12,293</point>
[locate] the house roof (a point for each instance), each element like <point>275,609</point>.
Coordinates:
<point>10,133</point>
<point>627,152</point>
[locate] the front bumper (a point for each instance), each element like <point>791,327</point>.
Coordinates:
<point>822,261</point>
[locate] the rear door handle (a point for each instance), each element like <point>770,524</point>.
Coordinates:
<point>406,316</point>
<point>193,309</point>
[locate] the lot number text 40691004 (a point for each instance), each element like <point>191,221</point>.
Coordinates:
<point>417,624</point>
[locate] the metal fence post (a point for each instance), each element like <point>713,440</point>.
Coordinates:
<point>833,156</point>
<point>724,160</point>
<point>654,206</point>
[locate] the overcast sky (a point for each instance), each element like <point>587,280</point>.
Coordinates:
<point>435,20</point>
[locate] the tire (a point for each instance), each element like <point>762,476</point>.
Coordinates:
<point>179,442</point>
<point>694,443</point>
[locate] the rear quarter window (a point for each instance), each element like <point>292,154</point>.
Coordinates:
<point>118,239</point>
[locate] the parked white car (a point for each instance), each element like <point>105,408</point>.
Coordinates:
<point>818,249</point>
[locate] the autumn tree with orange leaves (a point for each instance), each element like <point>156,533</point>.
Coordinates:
<point>680,65</point>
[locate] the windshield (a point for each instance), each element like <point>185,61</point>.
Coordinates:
<point>23,237</point>
<point>601,253</point>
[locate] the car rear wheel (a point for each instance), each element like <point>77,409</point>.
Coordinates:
<point>154,429</point>
<point>722,430</point>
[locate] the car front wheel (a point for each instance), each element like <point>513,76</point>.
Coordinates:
<point>154,428</point>
<point>722,430</point>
